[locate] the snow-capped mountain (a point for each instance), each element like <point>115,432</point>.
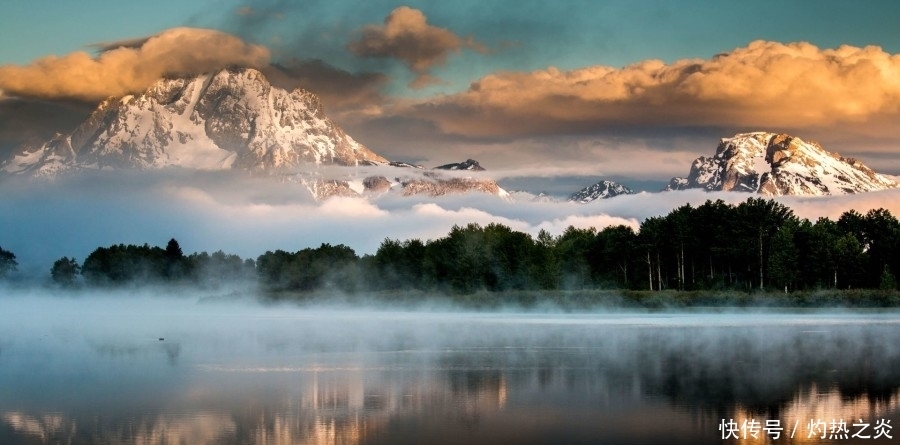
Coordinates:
<point>433,182</point>
<point>779,164</point>
<point>232,119</point>
<point>601,190</point>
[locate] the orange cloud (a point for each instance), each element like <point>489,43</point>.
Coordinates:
<point>131,66</point>
<point>766,84</point>
<point>407,36</point>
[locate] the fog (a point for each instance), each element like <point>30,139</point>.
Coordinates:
<point>149,367</point>
<point>208,211</point>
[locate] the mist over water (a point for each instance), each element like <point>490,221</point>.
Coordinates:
<point>131,367</point>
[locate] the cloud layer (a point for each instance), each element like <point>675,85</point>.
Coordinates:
<point>247,216</point>
<point>130,66</point>
<point>407,36</point>
<point>762,85</point>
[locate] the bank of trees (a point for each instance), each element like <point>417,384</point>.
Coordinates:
<point>757,244</point>
<point>130,264</point>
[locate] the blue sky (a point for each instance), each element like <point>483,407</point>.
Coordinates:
<point>529,34</point>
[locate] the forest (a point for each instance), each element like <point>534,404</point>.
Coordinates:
<point>758,244</point>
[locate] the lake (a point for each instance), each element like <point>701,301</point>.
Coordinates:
<point>126,369</point>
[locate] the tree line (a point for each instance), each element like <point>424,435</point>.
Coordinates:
<point>757,244</point>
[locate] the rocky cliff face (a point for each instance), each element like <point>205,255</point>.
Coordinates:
<point>232,119</point>
<point>779,164</point>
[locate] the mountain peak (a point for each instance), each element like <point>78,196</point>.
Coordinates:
<point>779,164</point>
<point>230,119</point>
<point>601,190</point>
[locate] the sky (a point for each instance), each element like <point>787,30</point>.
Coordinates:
<point>551,95</point>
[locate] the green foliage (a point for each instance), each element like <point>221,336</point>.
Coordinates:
<point>888,281</point>
<point>758,245</point>
<point>65,271</point>
<point>326,267</point>
<point>7,262</point>
<point>122,264</point>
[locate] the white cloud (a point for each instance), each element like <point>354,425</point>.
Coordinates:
<point>249,216</point>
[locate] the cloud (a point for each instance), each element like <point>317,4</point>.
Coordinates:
<point>34,121</point>
<point>130,66</point>
<point>407,36</point>
<point>246,215</point>
<point>339,89</point>
<point>762,85</point>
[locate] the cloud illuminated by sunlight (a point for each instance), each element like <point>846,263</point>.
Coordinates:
<point>765,84</point>
<point>130,66</point>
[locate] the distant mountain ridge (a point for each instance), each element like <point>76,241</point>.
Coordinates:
<point>601,190</point>
<point>779,164</point>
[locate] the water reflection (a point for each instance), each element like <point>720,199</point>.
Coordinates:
<point>553,379</point>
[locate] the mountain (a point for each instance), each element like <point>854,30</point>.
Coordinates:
<point>230,119</point>
<point>433,182</point>
<point>779,164</point>
<point>601,190</point>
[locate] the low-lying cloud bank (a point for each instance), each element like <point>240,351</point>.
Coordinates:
<point>41,222</point>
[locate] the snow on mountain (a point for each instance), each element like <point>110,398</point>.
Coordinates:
<point>418,181</point>
<point>779,164</point>
<point>232,119</point>
<point>601,190</point>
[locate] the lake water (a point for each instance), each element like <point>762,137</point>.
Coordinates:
<point>134,370</point>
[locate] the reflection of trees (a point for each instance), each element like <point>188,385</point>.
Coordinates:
<point>196,428</point>
<point>827,405</point>
<point>773,372</point>
<point>323,408</point>
<point>762,370</point>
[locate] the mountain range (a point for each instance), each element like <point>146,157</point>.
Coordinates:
<point>235,119</point>
<point>232,119</point>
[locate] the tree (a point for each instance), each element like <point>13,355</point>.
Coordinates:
<point>782,264</point>
<point>7,262</point>
<point>175,260</point>
<point>888,281</point>
<point>545,266</point>
<point>64,271</point>
<point>617,244</point>
<point>574,249</point>
<point>759,220</point>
